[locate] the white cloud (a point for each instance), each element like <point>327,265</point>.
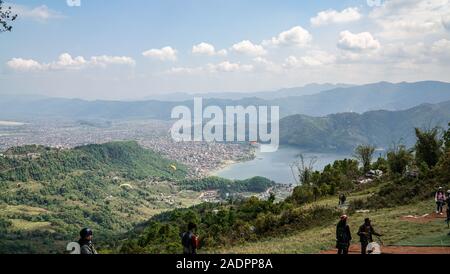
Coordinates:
<point>106,60</point>
<point>207,49</point>
<point>363,41</point>
<point>164,54</point>
<point>229,67</point>
<point>446,22</point>
<point>41,13</point>
<point>248,48</point>
<point>404,19</point>
<point>335,17</point>
<point>67,62</point>
<point>441,50</point>
<point>311,59</point>
<point>296,36</point>
<point>20,64</point>
<point>225,67</point>
<point>266,65</point>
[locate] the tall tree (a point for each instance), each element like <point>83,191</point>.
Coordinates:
<point>303,171</point>
<point>428,146</point>
<point>364,154</point>
<point>6,17</point>
<point>447,137</point>
<point>399,158</point>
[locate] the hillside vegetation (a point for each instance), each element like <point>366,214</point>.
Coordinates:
<point>343,132</point>
<point>47,194</point>
<point>262,226</point>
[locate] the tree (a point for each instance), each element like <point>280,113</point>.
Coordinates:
<point>6,17</point>
<point>304,170</point>
<point>364,153</point>
<point>398,159</point>
<point>447,137</point>
<point>428,146</point>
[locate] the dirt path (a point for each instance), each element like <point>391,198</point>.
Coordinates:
<point>424,218</point>
<point>356,249</point>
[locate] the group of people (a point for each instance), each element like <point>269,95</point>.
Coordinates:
<point>344,235</point>
<point>189,241</point>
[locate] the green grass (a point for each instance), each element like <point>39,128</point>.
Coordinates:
<point>386,221</point>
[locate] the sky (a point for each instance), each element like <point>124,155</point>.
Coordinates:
<point>116,49</point>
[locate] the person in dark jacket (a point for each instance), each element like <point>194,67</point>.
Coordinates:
<point>85,242</point>
<point>343,235</point>
<point>189,240</point>
<point>365,233</point>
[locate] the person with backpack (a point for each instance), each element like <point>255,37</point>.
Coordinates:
<point>189,240</point>
<point>440,198</point>
<point>343,235</point>
<point>85,242</point>
<point>365,233</point>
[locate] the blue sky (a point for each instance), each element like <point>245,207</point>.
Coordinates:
<point>133,49</point>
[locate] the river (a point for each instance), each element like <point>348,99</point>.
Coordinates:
<point>275,166</point>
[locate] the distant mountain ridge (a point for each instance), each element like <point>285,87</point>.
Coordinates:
<point>344,131</point>
<point>377,96</point>
<point>266,95</point>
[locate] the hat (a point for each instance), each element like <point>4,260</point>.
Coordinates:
<point>85,232</point>
<point>344,217</point>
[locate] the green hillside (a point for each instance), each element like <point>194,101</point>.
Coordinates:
<point>344,131</point>
<point>47,195</point>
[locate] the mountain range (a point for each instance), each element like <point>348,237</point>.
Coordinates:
<point>359,99</point>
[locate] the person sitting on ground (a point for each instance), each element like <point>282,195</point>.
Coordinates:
<point>365,233</point>
<point>440,200</point>
<point>189,240</point>
<point>343,235</point>
<point>85,242</point>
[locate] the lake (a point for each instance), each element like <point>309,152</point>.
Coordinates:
<point>275,166</point>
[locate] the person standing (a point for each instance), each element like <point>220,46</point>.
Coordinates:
<point>365,233</point>
<point>447,201</point>
<point>440,198</point>
<point>189,240</point>
<point>85,242</point>
<point>343,235</point>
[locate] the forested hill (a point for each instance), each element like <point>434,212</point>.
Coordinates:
<point>124,159</point>
<point>47,195</point>
<point>344,131</point>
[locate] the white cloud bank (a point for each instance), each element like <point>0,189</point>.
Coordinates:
<point>67,62</point>
<point>363,41</point>
<point>207,49</point>
<point>296,36</point>
<point>336,17</point>
<point>163,54</point>
<point>40,13</point>
<point>248,48</point>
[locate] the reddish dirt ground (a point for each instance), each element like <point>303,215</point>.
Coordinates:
<point>425,218</point>
<point>356,249</point>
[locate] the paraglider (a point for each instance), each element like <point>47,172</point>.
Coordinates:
<point>174,167</point>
